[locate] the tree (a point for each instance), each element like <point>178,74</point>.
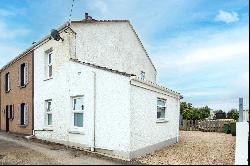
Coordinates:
<point>233,114</point>
<point>184,106</point>
<point>219,114</point>
<point>191,113</point>
<point>204,112</point>
<point>188,113</point>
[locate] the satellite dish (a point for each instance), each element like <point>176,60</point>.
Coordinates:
<point>55,35</point>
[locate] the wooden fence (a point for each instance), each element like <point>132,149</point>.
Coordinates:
<point>205,125</point>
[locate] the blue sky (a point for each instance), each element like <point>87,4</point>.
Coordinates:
<point>199,47</point>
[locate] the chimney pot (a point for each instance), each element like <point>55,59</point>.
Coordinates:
<point>86,16</point>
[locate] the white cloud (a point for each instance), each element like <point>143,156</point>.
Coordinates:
<point>10,33</point>
<point>4,13</point>
<point>99,5</point>
<point>189,53</point>
<point>209,67</point>
<point>227,17</point>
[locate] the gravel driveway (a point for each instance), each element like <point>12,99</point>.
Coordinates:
<point>195,148</point>
<point>18,151</point>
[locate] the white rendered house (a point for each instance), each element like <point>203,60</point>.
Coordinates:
<point>96,89</point>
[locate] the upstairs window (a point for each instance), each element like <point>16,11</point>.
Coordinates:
<point>161,108</point>
<point>23,75</point>
<point>49,64</point>
<point>78,107</point>
<point>7,82</point>
<point>142,75</point>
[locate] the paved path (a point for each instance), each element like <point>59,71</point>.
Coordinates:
<point>17,151</point>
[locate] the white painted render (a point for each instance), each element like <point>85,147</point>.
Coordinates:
<point>112,108</point>
<point>125,107</point>
<point>242,140</point>
<point>113,45</point>
<point>146,130</point>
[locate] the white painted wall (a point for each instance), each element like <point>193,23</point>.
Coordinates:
<point>241,150</point>
<point>114,45</point>
<point>145,130</point>
<point>125,114</point>
<point>112,108</point>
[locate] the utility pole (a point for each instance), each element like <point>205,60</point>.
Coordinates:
<point>240,110</point>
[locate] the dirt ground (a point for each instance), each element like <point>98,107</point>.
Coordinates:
<point>196,148</point>
<point>18,151</point>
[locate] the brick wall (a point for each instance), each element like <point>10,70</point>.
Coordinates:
<point>17,95</point>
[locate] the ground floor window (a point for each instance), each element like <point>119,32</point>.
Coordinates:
<point>22,114</point>
<point>78,107</point>
<point>48,104</point>
<point>161,108</point>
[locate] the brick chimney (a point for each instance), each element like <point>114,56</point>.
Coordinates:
<point>87,17</point>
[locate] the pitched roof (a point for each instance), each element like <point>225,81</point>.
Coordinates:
<point>101,67</point>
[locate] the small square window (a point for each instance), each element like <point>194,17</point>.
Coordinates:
<point>142,75</point>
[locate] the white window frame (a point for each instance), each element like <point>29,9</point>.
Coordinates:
<point>143,74</point>
<point>24,75</point>
<point>160,106</point>
<point>49,64</point>
<point>48,112</point>
<point>25,114</point>
<point>77,111</point>
<point>8,81</point>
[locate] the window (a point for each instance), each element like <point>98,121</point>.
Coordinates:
<point>48,112</point>
<point>48,64</point>
<point>78,107</point>
<point>142,75</point>
<point>7,82</point>
<point>161,108</point>
<point>23,75</point>
<point>23,108</point>
<point>10,109</point>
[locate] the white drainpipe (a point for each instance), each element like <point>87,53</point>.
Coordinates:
<point>94,116</point>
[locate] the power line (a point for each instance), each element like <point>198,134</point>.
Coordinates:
<point>70,14</point>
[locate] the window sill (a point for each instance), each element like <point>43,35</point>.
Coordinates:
<point>23,126</point>
<point>162,121</point>
<point>7,91</point>
<point>24,86</point>
<point>47,129</point>
<point>75,132</point>
<point>46,79</point>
